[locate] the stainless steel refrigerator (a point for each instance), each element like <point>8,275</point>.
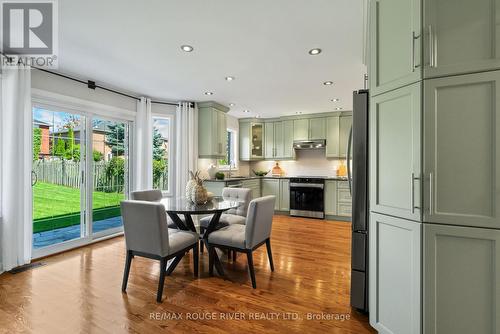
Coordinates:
<point>359,183</point>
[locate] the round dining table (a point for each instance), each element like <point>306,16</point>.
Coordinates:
<point>177,206</point>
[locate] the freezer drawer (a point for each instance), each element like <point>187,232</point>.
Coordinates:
<point>358,290</point>
<point>358,251</point>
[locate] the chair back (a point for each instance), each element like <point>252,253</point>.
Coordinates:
<point>259,220</point>
<point>243,195</point>
<point>145,227</point>
<point>152,195</point>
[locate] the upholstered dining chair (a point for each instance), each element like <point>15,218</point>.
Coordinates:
<point>147,235</point>
<point>232,216</point>
<point>152,195</point>
<point>247,238</point>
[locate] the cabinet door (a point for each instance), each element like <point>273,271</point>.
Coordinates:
<point>395,44</point>
<point>462,155</point>
<point>257,141</point>
<point>245,141</point>
<point>395,151</point>
<point>332,137</point>
<point>288,151</point>
<point>461,36</point>
<point>269,140</point>
<point>207,134</point>
<point>345,124</point>
<point>317,128</point>
<point>330,197</point>
<point>278,140</point>
<point>284,195</point>
<point>272,187</point>
<point>461,280</point>
<point>301,129</point>
<point>395,275</point>
<point>222,133</point>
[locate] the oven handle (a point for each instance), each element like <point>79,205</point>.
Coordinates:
<point>307,185</point>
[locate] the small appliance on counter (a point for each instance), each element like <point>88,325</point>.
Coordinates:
<point>307,197</point>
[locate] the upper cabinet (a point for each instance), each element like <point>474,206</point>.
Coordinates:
<point>332,136</point>
<point>301,129</point>
<point>395,47</point>
<point>252,141</point>
<point>345,124</point>
<point>279,140</point>
<point>317,128</point>
<point>460,36</point>
<point>461,150</point>
<point>212,132</point>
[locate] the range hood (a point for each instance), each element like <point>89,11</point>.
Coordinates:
<point>309,144</point>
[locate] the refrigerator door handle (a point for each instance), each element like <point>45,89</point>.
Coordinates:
<point>347,159</point>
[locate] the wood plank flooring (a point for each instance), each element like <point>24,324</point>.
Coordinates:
<point>79,291</point>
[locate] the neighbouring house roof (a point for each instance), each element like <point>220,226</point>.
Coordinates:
<point>101,128</point>
<point>39,122</point>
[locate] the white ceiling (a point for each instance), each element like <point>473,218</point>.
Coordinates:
<point>135,46</point>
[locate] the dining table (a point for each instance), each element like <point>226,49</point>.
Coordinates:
<point>181,206</point>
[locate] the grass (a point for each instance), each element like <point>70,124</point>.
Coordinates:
<point>52,200</point>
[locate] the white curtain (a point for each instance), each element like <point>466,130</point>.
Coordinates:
<point>143,148</point>
<point>16,161</point>
<point>186,143</point>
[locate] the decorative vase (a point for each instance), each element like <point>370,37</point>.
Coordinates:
<point>191,183</point>
<point>212,170</point>
<point>199,194</point>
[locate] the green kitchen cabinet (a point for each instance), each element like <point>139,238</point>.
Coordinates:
<point>245,141</point>
<point>272,187</point>
<point>460,37</point>
<point>462,155</point>
<point>301,129</point>
<point>212,135</point>
<point>345,124</point>
<point>254,185</point>
<point>331,197</point>
<point>317,128</point>
<point>269,140</point>
<point>288,151</point>
<point>274,140</point>
<point>284,194</point>
<point>396,38</point>
<point>332,137</point>
<point>395,162</point>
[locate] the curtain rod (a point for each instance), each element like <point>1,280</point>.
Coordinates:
<point>92,85</point>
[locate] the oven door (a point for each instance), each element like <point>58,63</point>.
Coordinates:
<point>306,201</point>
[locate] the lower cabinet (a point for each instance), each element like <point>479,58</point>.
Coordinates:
<point>395,275</point>
<point>330,197</point>
<point>254,185</point>
<point>272,187</point>
<point>344,199</point>
<point>284,195</point>
<point>461,280</point>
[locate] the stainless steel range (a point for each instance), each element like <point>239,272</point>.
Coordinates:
<point>307,197</point>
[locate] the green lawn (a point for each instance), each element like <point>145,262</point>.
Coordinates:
<point>51,200</point>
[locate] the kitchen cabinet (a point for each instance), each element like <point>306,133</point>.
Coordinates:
<point>395,276</point>
<point>332,137</point>
<point>274,140</point>
<point>284,194</point>
<point>345,123</point>
<point>272,187</point>
<point>253,185</point>
<point>395,128</point>
<point>462,156</point>
<point>288,151</point>
<point>331,197</point>
<point>212,135</point>
<point>344,199</point>
<point>269,140</point>
<point>395,43</point>
<point>317,128</point>
<point>216,186</point>
<point>460,37</point>
<point>251,141</point>
<point>461,280</point>
<point>301,129</point>
<point>245,141</point>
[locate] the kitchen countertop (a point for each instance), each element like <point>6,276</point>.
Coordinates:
<point>337,178</point>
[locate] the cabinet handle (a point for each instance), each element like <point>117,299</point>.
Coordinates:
<point>431,200</point>
<point>412,192</point>
<point>414,37</point>
<point>432,55</point>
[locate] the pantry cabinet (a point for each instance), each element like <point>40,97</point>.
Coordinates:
<point>460,36</point>
<point>462,156</point>
<point>461,280</point>
<point>395,126</point>
<point>212,136</point>
<point>395,48</point>
<point>395,275</point>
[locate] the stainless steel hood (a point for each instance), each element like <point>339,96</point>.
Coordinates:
<point>309,144</point>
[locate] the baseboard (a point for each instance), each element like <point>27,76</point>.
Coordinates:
<point>339,218</point>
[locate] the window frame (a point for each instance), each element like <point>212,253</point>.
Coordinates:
<point>234,150</point>
<point>171,119</point>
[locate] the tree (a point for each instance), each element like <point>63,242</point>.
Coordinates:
<point>70,149</point>
<point>158,150</point>
<point>37,143</point>
<point>97,156</point>
<point>116,138</point>
<point>60,149</point>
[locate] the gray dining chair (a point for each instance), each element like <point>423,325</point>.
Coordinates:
<point>247,238</point>
<point>152,195</point>
<point>147,235</point>
<point>232,216</point>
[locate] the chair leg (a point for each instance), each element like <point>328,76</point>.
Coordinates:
<point>211,251</point>
<point>201,246</point>
<point>195,259</point>
<point>270,254</point>
<point>126,272</point>
<point>251,268</point>
<point>163,266</point>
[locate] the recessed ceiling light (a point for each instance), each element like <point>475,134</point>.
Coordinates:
<point>258,116</point>
<point>187,48</point>
<point>338,108</point>
<point>209,93</point>
<point>230,78</point>
<point>246,111</point>
<point>231,104</point>
<point>315,51</point>
<point>328,83</point>
<point>335,100</point>
<point>299,112</point>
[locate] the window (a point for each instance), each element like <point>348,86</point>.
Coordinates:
<point>230,161</point>
<point>161,152</point>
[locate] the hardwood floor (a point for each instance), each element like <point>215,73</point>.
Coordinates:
<point>80,290</point>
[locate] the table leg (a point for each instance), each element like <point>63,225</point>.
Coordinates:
<point>210,228</point>
<point>189,222</point>
<point>178,221</point>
